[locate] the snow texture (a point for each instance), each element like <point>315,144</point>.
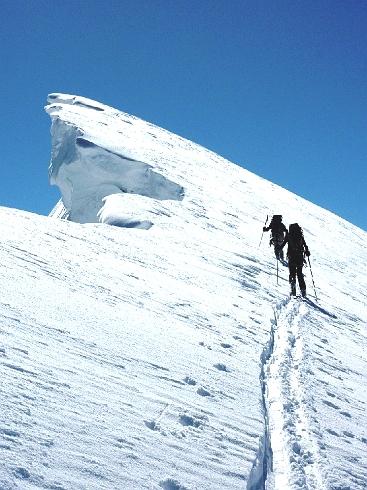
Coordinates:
<point>160,353</point>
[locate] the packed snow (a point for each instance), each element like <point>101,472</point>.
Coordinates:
<point>145,342</point>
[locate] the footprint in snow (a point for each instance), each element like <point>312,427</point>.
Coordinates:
<point>203,392</point>
<point>152,424</point>
<point>331,405</point>
<point>332,395</point>
<point>190,381</point>
<point>225,346</point>
<point>332,432</point>
<point>188,421</point>
<point>221,367</point>
<point>171,484</point>
<point>21,473</point>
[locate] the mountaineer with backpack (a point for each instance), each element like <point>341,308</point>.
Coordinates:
<point>297,250</point>
<point>278,235</point>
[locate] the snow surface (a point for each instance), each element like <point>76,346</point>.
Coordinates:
<point>167,356</point>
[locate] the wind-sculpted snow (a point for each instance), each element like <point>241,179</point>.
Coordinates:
<point>168,357</point>
<point>87,172</point>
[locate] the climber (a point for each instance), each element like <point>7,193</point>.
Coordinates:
<point>278,234</point>
<point>297,250</point>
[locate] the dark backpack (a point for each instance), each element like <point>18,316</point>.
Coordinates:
<point>276,225</point>
<point>277,219</point>
<point>296,242</point>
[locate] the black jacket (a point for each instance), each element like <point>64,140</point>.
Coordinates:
<point>297,249</point>
<point>276,228</point>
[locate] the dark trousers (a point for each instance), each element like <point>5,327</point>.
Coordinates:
<point>295,270</point>
<point>277,240</point>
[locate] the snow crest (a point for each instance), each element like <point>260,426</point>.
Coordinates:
<point>87,172</point>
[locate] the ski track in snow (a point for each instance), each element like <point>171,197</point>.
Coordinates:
<point>296,459</point>
<point>295,454</point>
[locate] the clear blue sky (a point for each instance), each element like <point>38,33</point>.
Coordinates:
<point>277,86</point>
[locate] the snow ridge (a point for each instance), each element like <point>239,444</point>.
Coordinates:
<point>151,359</point>
<point>297,455</point>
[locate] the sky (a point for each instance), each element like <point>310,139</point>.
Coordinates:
<point>276,86</point>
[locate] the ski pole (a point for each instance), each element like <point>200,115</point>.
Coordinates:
<point>313,282</point>
<point>262,234</point>
<point>277,271</point>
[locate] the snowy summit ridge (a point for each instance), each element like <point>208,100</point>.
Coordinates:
<point>168,357</point>
<point>93,163</point>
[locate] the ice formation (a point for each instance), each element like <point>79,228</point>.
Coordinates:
<point>87,171</point>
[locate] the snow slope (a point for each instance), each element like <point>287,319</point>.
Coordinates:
<point>161,353</point>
